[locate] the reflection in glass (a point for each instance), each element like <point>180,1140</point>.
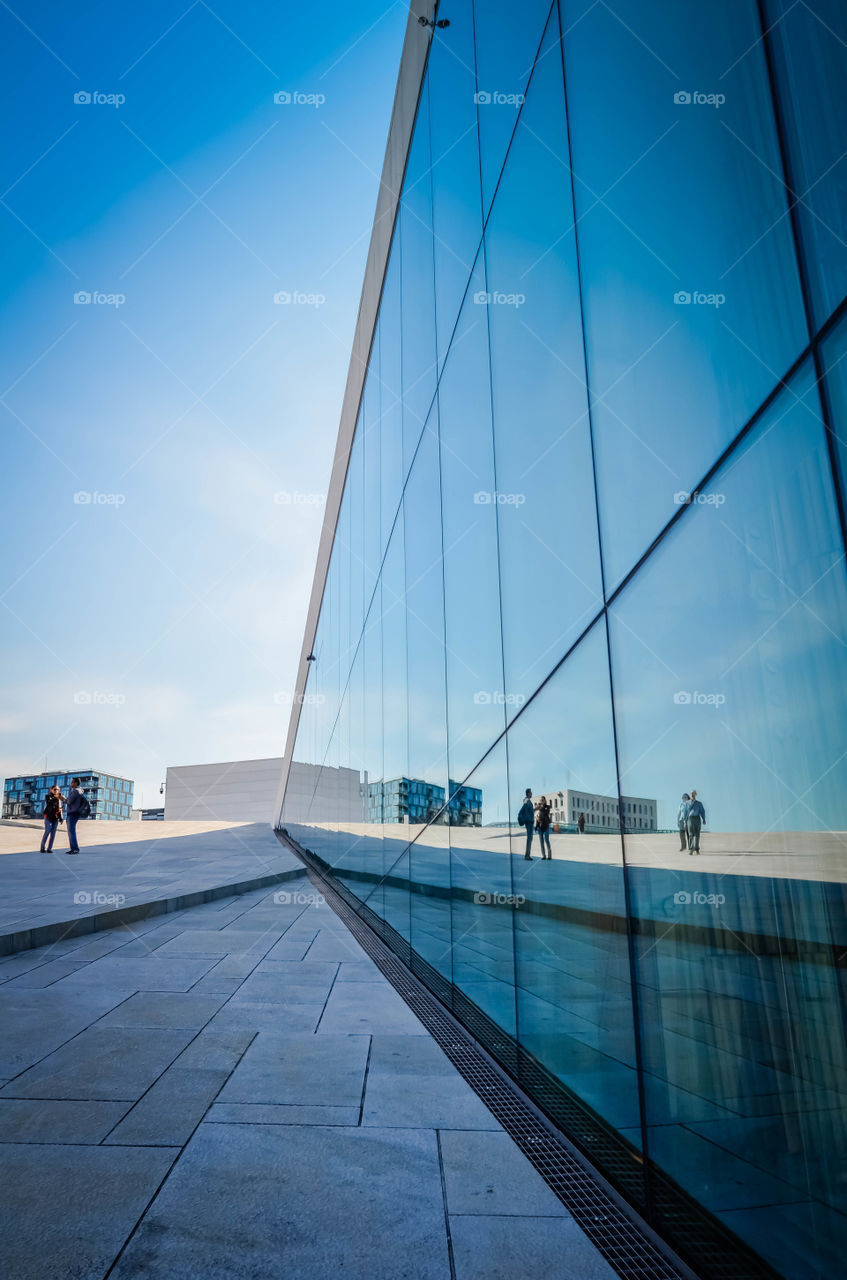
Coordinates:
<point>741,695</point>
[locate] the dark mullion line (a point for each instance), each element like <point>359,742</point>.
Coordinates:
<point>629,910</point>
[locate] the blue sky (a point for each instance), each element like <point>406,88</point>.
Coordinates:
<point>158,620</point>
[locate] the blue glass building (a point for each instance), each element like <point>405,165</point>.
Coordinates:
<point>110,797</point>
<point>586,530</point>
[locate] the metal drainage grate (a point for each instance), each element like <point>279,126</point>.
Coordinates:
<point>626,1247</point>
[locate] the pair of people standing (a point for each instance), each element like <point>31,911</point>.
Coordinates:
<point>690,817</point>
<point>536,818</point>
<point>76,807</point>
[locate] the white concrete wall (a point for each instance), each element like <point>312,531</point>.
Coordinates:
<point>231,791</point>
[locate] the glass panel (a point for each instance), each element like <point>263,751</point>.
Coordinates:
<point>574,987</point>
<point>810,54</point>
<point>391,394</point>
<point>426,778</point>
<point>507,41</point>
<point>456,196</point>
<point>482,900</point>
<point>690,288</point>
<point>475,689</point>
<point>419,363</point>
<point>730,678</point>
<point>546,511</point>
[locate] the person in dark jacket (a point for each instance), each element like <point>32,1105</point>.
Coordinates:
<point>72,809</point>
<point>696,818</point>
<point>526,818</point>
<point>542,826</point>
<point>52,818</point>
<point>580,824</point>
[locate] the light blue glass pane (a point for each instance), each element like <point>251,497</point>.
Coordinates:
<point>692,303</point>
<point>730,679</point>
<point>419,364</point>
<point>507,40</point>
<point>549,553</point>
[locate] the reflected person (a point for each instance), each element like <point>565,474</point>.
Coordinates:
<point>580,824</point>
<point>542,826</point>
<point>526,818</point>
<point>682,820</point>
<point>696,818</point>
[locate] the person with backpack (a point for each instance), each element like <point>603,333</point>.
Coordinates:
<point>526,818</point>
<point>682,820</point>
<point>696,817</point>
<point>52,818</point>
<point>77,808</point>
<point>542,826</point>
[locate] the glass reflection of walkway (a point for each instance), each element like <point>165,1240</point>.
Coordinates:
<point>742,1037</point>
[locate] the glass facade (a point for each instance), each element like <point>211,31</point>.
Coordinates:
<point>110,797</point>
<point>590,551</point>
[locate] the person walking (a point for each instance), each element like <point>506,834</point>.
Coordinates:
<point>682,820</point>
<point>695,819</point>
<point>580,824</point>
<point>526,818</point>
<point>77,807</point>
<point>542,826</point>
<point>52,818</point>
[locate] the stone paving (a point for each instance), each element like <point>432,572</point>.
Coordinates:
<point>234,1092</point>
<point>125,865</point>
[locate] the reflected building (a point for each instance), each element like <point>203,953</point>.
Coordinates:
<point>586,522</point>
<point>602,813</point>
